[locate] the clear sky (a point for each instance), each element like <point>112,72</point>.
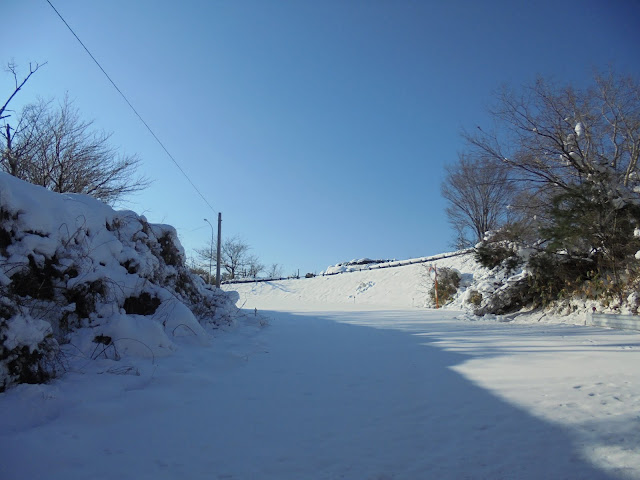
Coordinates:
<point>318,128</point>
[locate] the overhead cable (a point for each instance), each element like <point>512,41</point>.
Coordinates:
<point>133,108</point>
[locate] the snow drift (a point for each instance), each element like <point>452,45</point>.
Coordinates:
<point>75,271</point>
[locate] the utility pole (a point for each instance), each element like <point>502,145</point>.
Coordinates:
<point>434,269</point>
<point>210,249</point>
<point>219,246</point>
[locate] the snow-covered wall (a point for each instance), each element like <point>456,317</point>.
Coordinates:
<point>72,269</point>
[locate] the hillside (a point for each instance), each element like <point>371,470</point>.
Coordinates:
<point>399,286</point>
<point>481,292</point>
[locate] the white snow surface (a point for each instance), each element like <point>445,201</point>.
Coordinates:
<point>348,380</point>
<point>404,285</point>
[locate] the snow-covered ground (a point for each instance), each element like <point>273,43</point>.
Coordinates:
<point>342,389</point>
<point>575,389</point>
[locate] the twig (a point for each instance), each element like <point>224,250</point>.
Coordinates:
<point>185,326</point>
<point>153,357</point>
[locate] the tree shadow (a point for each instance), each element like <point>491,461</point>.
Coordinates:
<point>276,286</point>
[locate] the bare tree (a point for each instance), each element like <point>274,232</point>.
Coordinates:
<point>559,137</point>
<point>235,254</point>
<point>236,258</point>
<point>254,266</point>
<point>479,192</point>
<point>55,148</point>
<point>275,271</point>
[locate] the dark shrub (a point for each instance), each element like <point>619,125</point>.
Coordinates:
<point>144,304</point>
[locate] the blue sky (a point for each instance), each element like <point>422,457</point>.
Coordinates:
<point>318,128</point>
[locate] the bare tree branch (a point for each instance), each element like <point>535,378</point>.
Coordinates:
<point>12,68</point>
<point>479,192</point>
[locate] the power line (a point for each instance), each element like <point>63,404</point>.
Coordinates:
<point>132,107</point>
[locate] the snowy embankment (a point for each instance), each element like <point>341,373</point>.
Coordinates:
<point>79,279</point>
<point>410,284</point>
<point>404,286</point>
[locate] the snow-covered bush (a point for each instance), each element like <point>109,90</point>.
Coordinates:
<point>474,298</point>
<point>501,247</point>
<point>492,254</point>
<point>72,269</point>
<point>448,283</point>
<point>28,351</point>
<point>557,280</point>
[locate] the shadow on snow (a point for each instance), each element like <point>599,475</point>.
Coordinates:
<point>350,401</point>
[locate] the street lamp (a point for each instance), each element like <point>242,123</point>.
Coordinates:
<point>211,252</point>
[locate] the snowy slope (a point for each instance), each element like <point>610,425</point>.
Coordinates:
<point>408,285</point>
<point>402,286</point>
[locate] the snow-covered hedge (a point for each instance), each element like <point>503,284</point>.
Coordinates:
<point>514,278</point>
<point>72,269</point>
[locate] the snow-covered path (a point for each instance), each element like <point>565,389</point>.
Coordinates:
<point>371,394</point>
